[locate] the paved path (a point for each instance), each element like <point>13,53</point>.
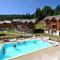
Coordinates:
<point>52,53</point>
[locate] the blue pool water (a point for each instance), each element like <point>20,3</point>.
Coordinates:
<point>21,48</point>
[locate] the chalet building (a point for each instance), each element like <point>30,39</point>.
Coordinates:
<point>26,25</point>
<point>16,23</point>
<point>52,25</point>
<point>6,25</point>
<point>1,25</point>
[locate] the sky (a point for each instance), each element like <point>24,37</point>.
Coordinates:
<point>25,6</point>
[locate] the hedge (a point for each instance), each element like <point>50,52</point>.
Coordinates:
<point>39,31</point>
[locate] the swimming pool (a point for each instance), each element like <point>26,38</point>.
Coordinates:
<point>21,48</point>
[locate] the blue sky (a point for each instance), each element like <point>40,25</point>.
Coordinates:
<point>24,6</point>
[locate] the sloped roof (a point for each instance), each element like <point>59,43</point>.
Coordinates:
<point>16,20</point>
<point>7,21</point>
<point>19,20</point>
<point>1,22</point>
<point>28,20</point>
<point>50,17</point>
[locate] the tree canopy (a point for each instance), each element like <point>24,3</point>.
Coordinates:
<point>57,10</point>
<point>39,14</point>
<point>47,11</point>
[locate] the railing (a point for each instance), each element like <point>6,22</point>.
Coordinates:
<point>53,23</point>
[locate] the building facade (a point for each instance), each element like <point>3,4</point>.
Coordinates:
<point>26,25</point>
<point>52,25</point>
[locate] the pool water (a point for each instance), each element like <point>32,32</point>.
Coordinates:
<point>21,48</point>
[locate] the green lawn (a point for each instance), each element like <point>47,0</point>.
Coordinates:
<point>8,32</point>
<point>0,32</point>
<point>11,32</point>
<point>40,25</point>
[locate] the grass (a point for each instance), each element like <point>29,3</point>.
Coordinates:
<point>0,32</point>
<point>11,33</point>
<point>40,25</point>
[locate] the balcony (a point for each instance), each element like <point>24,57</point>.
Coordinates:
<point>53,26</point>
<point>53,23</point>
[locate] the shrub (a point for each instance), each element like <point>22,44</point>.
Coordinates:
<point>39,31</point>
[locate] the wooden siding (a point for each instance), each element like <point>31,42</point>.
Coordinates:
<point>50,24</point>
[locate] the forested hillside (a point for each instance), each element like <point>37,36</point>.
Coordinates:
<point>39,14</point>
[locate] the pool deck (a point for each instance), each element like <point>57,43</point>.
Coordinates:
<point>52,53</point>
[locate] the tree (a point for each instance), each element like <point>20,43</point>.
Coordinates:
<point>47,11</point>
<point>38,14</point>
<point>33,16</point>
<point>57,10</point>
<point>29,16</point>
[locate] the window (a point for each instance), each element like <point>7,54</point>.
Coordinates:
<point>53,31</point>
<point>53,26</point>
<point>47,21</point>
<point>53,19</point>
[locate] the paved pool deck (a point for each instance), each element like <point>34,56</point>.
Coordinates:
<point>51,53</point>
